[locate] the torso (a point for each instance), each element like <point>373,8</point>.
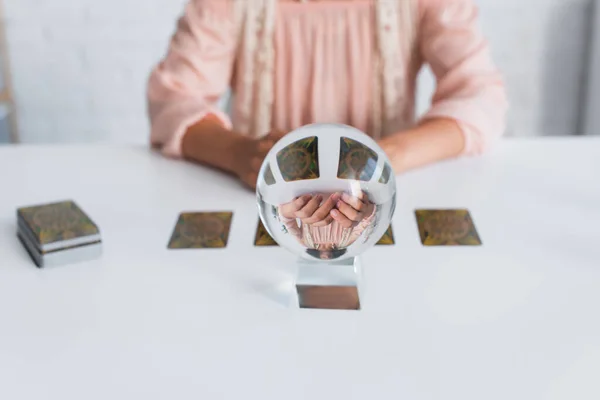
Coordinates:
<point>325,55</point>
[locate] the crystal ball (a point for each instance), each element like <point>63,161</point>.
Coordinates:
<point>326,192</point>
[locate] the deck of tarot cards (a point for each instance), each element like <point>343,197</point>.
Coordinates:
<point>58,233</point>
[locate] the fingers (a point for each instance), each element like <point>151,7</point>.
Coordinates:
<point>348,211</point>
<point>324,222</point>
<point>323,211</point>
<point>262,149</point>
<point>250,179</point>
<point>275,135</point>
<point>301,201</point>
<point>256,163</point>
<point>341,219</point>
<point>354,202</point>
<point>290,209</point>
<point>257,153</point>
<point>265,145</point>
<point>309,209</point>
<point>267,142</point>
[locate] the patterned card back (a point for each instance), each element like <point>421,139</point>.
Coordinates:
<point>57,222</point>
<point>387,238</point>
<point>262,237</point>
<point>299,160</point>
<point>201,230</point>
<point>357,161</point>
<point>447,228</point>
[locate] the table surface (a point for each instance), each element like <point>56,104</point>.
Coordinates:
<point>517,318</point>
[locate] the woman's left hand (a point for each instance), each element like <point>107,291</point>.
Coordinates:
<point>350,210</point>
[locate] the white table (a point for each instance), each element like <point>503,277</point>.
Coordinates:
<point>518,318</point>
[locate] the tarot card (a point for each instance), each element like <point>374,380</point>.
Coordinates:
<point>53,258</point>
<point>262,237</point>
<point>387,238</point>
<point>201,230</point>
<point>357,161</point>
<point>31,250</point>
<point>299,160</point>
<point>58,225</point>
<point>447,228</point>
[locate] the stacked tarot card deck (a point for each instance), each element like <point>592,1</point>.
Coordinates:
<point>58,233</point>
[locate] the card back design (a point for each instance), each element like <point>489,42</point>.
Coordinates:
<point>299,160</point>
<point>201,230</point>
<point>357,161</point>
<point>388,238</point>
<point>447,228</point>
<point>262,237</point>
<point>56,222</point>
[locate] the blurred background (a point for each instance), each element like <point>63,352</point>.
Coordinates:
<point>76,70</point>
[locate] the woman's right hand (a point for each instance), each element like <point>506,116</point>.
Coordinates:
<point>250,154</point>
<point>351,210</point>
<point>310,209</point>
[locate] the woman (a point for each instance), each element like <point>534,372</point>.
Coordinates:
<point>293,62</point>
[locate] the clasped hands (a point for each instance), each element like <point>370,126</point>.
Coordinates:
<point>315,210</point>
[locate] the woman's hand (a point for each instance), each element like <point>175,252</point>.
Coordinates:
<point>310,209</point>
<point>350,210</point>
<point>250,154</point>
<point>209,142</point>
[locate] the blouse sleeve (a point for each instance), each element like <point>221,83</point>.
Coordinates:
<point>187,84</point>
<point>469,89</point>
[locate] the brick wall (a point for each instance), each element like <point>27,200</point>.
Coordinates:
<point>80,66</point>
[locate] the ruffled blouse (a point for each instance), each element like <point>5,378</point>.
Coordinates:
<point>324,55</point>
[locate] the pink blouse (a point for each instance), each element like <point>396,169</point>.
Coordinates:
<point>324,53</point>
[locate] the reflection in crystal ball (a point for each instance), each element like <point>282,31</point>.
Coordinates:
<point>326,192</point>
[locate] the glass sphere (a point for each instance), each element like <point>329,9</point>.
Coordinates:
<point>326,192</point>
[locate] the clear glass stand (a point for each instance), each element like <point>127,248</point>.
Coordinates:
<point>332,286</point>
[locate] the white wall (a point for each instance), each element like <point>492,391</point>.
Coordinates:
<point>80,66</point>
<point>541,46</point>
